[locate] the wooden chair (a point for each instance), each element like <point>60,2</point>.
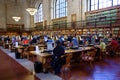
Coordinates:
<point>1,43</point>
<point>20,50</point>
<point>26,51</point>
<point>103,54</point>
<point>67,65</point>
<point>89,57</point>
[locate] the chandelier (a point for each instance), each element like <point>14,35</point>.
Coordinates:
<point>16,18</point>
<point>31,9</point>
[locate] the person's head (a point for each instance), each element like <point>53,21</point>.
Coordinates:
<point>58,42</point>
<point>49,37</point>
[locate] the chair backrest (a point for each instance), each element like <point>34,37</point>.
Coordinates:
<point>31,48</point>
<point>68,57</point>
<point>103,50</point>
<point>92,52</point>
<point>19,50</point>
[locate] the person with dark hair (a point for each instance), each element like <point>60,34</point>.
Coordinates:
<point>33,41</point>
<point>58,51</point>
<point>69,38</point>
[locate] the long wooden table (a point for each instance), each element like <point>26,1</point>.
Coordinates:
<point>44,57</point>
<point>19,49</point>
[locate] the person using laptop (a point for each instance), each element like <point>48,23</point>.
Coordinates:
<point>75,42</point>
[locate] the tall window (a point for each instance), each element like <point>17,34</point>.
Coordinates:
<point>60,8</point>
<point>99,4</point>
<point>94,5</point>
<point>116,2</point>
<point>105,3</point>
<point>39,14</point>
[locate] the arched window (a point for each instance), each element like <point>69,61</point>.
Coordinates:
<point>99,4</point>
<point>60,8</point>
<point>39,14</point>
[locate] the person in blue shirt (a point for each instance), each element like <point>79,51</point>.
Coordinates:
<point>50,44</point>
<point>75,42</point>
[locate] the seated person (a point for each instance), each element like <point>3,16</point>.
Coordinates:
<point>33,41</point>
<point>58,51</point>
<point>25,42</point>
<point>105,39</point>
<point>13,40</point>
<point>102,45</point>
<point>50,44</point>
<point>75,42</point>
<point>86,43</point>
<point>113,45</point>
<point>45,38</point>
<point>69,38</point>
<point>62,40</point>
<point>100,48</point>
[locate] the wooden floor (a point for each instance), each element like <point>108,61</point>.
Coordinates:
<point>108,69</point>
<point>11,70</point>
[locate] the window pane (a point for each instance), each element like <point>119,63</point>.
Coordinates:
<point>109,3</point>
<point>92,2</point>
<point>96,6</point>
<point>100,6</point>
<point>39,15</point>
<point>96,1</point>
<point>60,9</point>
<point>114,2</point>
<point>92,7</point>
<point>118,2</point>
<point>100,1</point>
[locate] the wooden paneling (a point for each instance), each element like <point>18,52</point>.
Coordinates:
<point>73,20</point>
<point>14,27</point>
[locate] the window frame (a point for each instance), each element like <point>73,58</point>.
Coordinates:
<point>38,17</point>
<point>102,4</point>
<point>60,11</point>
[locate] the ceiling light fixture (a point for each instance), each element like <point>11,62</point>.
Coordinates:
<point>31,9</point>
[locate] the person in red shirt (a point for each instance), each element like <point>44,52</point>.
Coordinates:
<point>114,43</point>
<point>25,42</point>
<point>113,46</point>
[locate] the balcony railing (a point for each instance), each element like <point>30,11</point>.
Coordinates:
<point>88,23</point>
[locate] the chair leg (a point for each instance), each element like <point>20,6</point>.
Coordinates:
<point>62,73</point>
<point>63,70</point>
<point>91,64</point>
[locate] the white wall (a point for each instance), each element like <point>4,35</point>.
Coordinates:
<point>77,7</point>
<point>47,11</point>
<point>8,10</point>
<point>2,15</point>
